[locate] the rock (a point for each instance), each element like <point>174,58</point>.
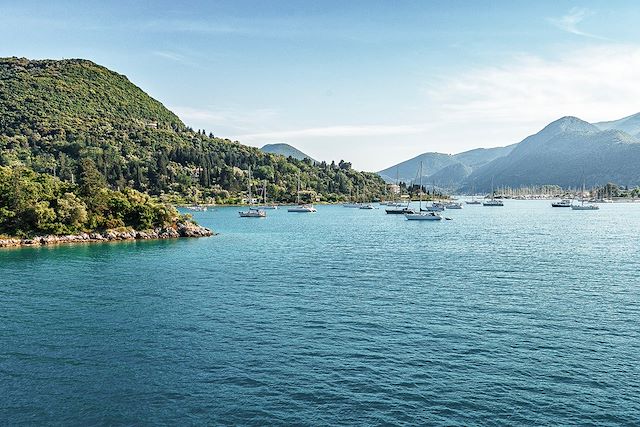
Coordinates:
<point>181,229</point>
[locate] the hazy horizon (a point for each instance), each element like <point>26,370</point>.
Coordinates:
<point>371,83</point>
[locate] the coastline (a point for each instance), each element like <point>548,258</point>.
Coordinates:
<point>181,230</point>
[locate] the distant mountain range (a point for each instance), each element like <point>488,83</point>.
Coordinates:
<point>286,150</point>
<point>445,170</point>
<point>565,152</point>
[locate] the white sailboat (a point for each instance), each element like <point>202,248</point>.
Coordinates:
<point>493,201</point>
<point>582,206</point>
<point>422,216</point>
<point>473,200</point>
<point>252,212</point>
<point>266,205</point>
<point>302,207</point>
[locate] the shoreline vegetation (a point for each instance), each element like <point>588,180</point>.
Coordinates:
<point>40,209</point>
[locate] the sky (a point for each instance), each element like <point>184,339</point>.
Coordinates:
<point>371,82</point>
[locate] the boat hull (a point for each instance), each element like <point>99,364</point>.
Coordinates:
<point>302,209</point>
<point>423,217</point>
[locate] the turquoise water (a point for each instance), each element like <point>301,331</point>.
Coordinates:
<point>516,315</point>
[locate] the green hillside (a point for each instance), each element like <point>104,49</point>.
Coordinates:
<point>55,115</point>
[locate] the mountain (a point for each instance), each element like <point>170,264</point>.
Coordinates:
<point>287,151</point>
<point>629,124</point>
<point>56,116</point>
<point>453,167</point>
<point>450,176</point>
<point>564,153</point>
<point>408,170</point>
<point>481,156</point>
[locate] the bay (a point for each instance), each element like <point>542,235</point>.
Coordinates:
<point>517,315</point>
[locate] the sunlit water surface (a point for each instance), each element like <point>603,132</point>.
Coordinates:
<point>516,315</point>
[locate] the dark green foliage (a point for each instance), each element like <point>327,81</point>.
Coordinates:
<point>85,124</point>
<point>33,203</point>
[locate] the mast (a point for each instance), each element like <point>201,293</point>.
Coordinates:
<point>264,191</point>
<point>399,193</point>
<point>420,189</point>
<point>249,185</point>
<point>298,189</point>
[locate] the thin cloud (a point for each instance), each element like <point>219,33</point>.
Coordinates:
<point>572,19</point>
<point>337,131</point>
<point>173,56</point>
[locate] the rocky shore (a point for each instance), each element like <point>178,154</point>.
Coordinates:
<point>178,230</point>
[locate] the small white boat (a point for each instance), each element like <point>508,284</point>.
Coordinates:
<point>302,209</point>
<point>564,203</point>
<point>366,206</point>
<point>423,216</point>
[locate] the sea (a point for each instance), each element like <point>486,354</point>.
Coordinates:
<point>516,315</point>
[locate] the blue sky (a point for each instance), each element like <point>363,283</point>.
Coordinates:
<point>373,82</point>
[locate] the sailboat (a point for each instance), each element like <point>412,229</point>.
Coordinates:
<point>473,200</point>
<point>302,208</point>
<point>493,201</point>
<point>582,206</point>
<point>264,198</point>
<point>422,216</point>
<point>253,212</point>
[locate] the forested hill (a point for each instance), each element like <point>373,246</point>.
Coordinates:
<point>62,117</point>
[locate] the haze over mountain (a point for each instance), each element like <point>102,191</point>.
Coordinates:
<point>443,169</point>
<point>286,150</point>
<point>629,124</point>
<point>565,152</point>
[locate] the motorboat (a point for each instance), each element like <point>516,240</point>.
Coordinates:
<point>564,203</point>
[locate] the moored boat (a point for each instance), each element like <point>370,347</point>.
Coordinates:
<point>302,207</point>
<point>252,212</point>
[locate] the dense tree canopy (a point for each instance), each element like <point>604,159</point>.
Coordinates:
<point>57,117</point>
<point>34,203</point>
